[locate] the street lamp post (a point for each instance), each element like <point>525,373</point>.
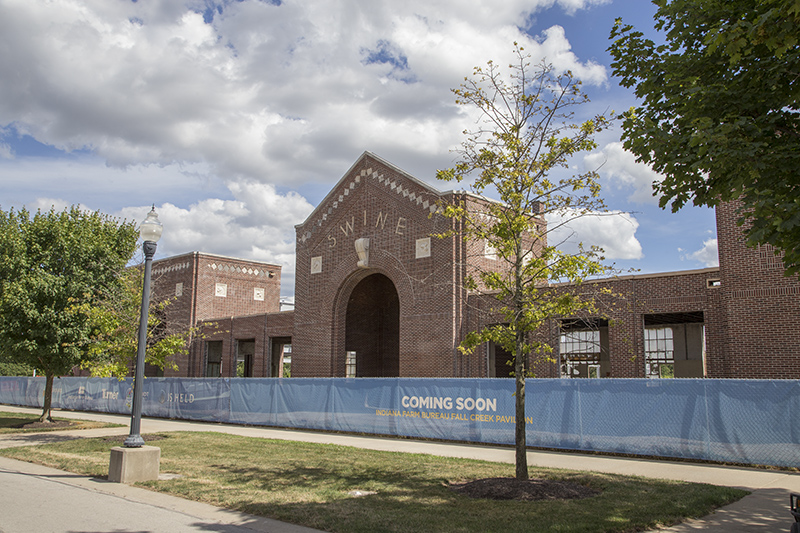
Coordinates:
<point>150,232</point>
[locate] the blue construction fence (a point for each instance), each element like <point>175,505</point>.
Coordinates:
<point>741,421</point>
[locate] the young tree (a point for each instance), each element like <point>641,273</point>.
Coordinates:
<point>112,348</point>
<point>50,264</point>
<point>525,133</point>
<point>720,111</point>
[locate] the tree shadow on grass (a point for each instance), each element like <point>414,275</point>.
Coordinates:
<point>302,475</point>
<point>414,500</point>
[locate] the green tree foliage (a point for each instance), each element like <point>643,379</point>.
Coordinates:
<point>720,112</point>
<point>9,367</point>
<point>50,264</point>
<point>113,345</point>
<point>526,131</point>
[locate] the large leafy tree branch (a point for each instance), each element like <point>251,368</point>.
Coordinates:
<point>526,130</point>
<point>720,111</point>
<point>112,348</point>
<point>51,263</point>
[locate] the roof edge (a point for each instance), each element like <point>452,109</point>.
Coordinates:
<point>366,154</point>
<point>218,256</point>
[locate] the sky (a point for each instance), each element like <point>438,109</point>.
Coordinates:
<point>235,118</point>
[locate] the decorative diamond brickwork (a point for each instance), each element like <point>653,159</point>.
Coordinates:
<point>749,310</point>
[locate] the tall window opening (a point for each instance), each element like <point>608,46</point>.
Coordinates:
<point>674,345</point>
<point>500,361</point>
<point>245,353</point>
<point>280,365</point>
<point>583,348</point>
<point>286,368</point>
<point>659,353</point>
<point>350,365</point>
<point>213,359</point>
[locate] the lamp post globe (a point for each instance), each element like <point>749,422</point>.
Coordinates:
<point>150,232</point>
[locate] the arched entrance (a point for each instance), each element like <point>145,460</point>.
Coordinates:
<point>372,329</point>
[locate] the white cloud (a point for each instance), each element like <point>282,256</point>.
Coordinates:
<point>556,48</point>
<point>614,232</point>
<point>275,94</point>
<point>46,204</point>
<point>623,172</point>
<point>708,254</point>
<point>87,180</point>
<point>209,121</point>
<point>257,224</point>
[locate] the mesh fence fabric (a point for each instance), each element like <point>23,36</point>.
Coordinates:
<point>742,421</point>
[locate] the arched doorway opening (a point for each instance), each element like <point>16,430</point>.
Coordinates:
<point>372,329</point>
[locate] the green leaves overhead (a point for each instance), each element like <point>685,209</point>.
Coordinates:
<point>720,111</point>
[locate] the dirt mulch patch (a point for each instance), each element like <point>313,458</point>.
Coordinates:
<point>56,424</point>
<point>509,488</point>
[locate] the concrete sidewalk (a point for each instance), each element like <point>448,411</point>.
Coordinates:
<point>766,510</point>
<point>37,499</point>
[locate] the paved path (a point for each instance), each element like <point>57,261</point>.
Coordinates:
<point>766,510</point>
<point>36,499</point>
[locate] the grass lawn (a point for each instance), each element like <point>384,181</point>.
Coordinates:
<point>311,484</point>
<point>15,422</point>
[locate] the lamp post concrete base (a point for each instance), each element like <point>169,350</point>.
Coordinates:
<point>129,465</point>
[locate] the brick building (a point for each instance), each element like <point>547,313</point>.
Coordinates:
<point>378,295</point>
<point>201,287</point>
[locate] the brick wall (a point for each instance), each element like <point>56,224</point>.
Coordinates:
<point>761,306</point>
<point>201,286</point>
<point>750,312</point>
<point>624,301</point>
<point>263,329</point>
<point>397,213</point>
<point>749,309</point>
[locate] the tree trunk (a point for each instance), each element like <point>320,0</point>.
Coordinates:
<point>520,439</point>
<point>520,368</point>
<point>48,399</point>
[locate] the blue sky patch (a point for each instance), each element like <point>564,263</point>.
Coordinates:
<point>385,52</point>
